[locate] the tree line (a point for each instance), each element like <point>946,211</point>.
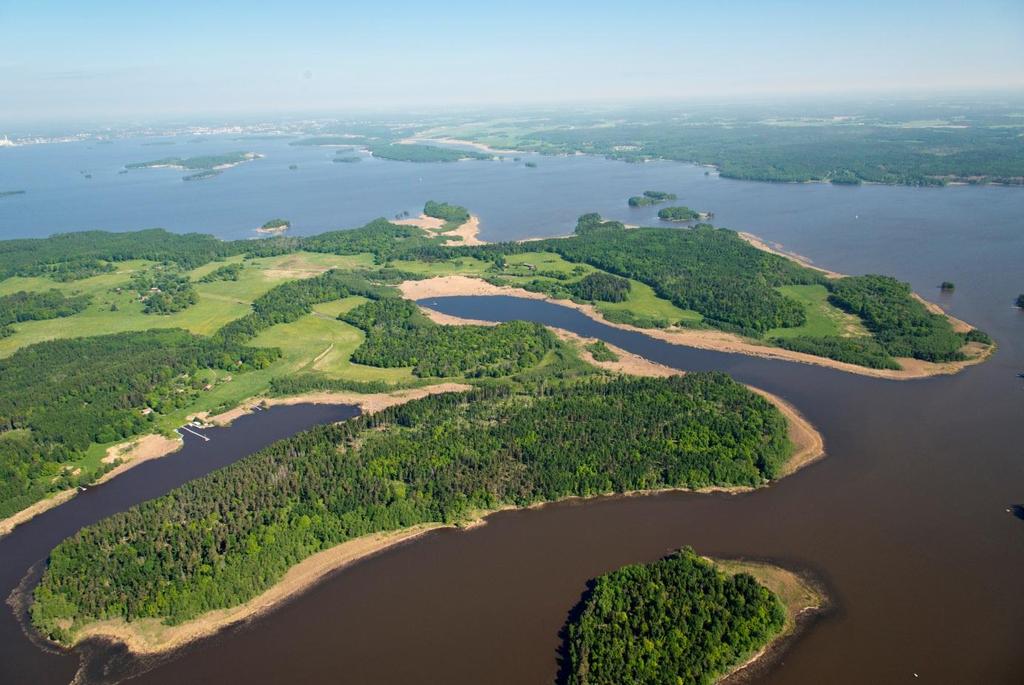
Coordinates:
<point>38,306</point>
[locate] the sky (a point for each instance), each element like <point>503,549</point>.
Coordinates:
<point>107,59</point>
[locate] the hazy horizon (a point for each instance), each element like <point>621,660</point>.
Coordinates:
<point>116,61</point>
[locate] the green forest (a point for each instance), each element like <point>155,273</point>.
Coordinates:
<point>72,256</point>
<point>228,272</point>
<point>398,334</point>
<point>453,214</point>
<point>163,291</point>
<point>220,540</point>
<point>59,397</point>
<point>37,306</point>
<point>603,287</point>
<point>681,213</point>
<point>675,621</point>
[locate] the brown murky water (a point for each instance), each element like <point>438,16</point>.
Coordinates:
<point>905,522</point>
<point>908,522</point>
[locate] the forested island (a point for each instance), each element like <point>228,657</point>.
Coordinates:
<point>196,163</point>
<point>679,214</point>
<point>675,621</point>
<point>453,216</point>
<point>204,166</point>
<point>11,193</point>
<point>650,197</point>
<point>411,152</point>
<point>440,459</point>
<point>274,226</point>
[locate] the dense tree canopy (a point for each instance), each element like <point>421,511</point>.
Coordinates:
<point>37,306</point>
<point>681,213</point>
<point>676,621</point>
<point>900,323</point>
<point>708,270</point>
<point>219,540</point>
<point>600,286</point>
<point>163,291</point>
<point>650,197</point>
<point>59,397</point>
<point>69,256</point>
<point>449,213</point>
<point>397,334</point>
<point>228,272</point>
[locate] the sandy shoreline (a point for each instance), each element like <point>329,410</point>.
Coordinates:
<point>799,596</point>
<point>792,256</point>
<point>150,636</point>
<point>367,403</point>
<point>466,234</point>
<point>707,339</point>
<point>130,454</point>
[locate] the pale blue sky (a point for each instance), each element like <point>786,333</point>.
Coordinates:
<point>107,59</point>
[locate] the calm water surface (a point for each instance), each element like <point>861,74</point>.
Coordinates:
<point>21,661</point>
<point>906,521</point>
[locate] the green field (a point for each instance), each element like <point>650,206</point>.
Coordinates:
<point>219,302</point>
<point>316,342</point>
<point>465,265</point>
<point>823,320</point>
<point>643,302</point>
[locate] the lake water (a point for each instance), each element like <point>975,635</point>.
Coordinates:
<point>908,521</point>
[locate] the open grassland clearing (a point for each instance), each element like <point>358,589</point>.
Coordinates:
<point>823,319</point>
